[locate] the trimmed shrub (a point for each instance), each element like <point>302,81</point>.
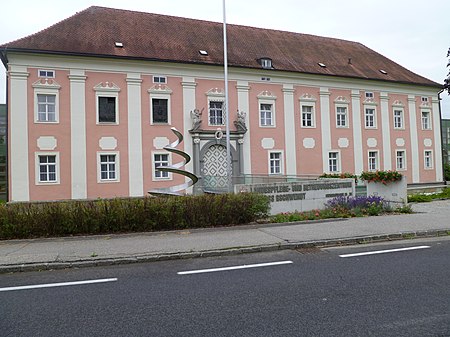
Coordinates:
<point>120,215</point>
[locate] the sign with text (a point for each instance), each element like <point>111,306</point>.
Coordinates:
<point>301,195</point>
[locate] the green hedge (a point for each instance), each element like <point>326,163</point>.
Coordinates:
<point>48,219</point>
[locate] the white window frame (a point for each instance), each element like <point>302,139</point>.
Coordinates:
<point>269,162</point>
<point>424,99</point>
<point>430,165</point>
<point>337,159</point>
<point>369,94</point>
<point>56,113</point>
<point>428,118</point>
<point>209,112</point>
<point>154,171</point>
<point>159,79</point>
<point>107,90</point>
<point>43,87</point>
<point>402,118</point>
<point>99,168</point>
<point>271,111</point>
<point>45,73</point>
<point>216,95</point>
<point>374,126</point>
<point>346,115</point>
<point>403,159</point>
<point>312,113</point>
<point>116,97</point>
<point>376,158</point>
<point>37,168</point>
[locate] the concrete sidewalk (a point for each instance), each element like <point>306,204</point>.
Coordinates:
<point>430,219</point>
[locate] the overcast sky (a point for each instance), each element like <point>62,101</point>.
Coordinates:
<point>413,33</point>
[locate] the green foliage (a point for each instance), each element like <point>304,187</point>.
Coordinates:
<point>384,177</point>
<point>447,172</point>
<point>28,220</point>
<point>445,194</point>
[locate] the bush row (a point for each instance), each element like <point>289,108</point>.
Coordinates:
<point>28,220</point>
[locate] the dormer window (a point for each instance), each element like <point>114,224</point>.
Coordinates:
<point>266,63</point>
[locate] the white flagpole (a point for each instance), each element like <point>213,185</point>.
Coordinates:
<point>227,119</point>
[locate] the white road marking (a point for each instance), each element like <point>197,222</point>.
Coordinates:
<point>385,251</point>
<point>62,284</point>
<point>234,267</point>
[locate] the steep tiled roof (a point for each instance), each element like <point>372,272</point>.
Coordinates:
<point>95,30</point>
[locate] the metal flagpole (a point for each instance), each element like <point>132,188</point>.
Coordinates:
<point>227,119</point>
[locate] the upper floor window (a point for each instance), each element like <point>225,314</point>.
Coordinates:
<point>275,163</point>
<point>46,108</point>
<point>307,116</point>
<point>370,118</point>
<point>160,110</point>
<point>333,162</point>
<point>266,63</point>
<point>373,160</point>
<point>159,79</point>
<point>46,73</point>
<point>216,116</point>
<point>107,109</point>
<point>426,122</point>
<point>341,117</point>
<point>400,160</point>
<point>266,114</point>
<point>398,119</point>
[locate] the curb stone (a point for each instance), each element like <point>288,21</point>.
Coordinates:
<point>222,252</point>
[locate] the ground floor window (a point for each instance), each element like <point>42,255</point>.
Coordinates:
<point>47,168</point>
<point>275,164</point>
<point>108,167</point>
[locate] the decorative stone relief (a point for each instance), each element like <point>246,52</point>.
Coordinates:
<point>341,99</point>
<point>107,143</point>
<point>307,97</point>
<point>398,103</point>
<point>268,143</point>
<point>309,143</point>
<point>46,143</point>
<point>427,142</point>
<point>160,142</point>
<point>372,142</point>
<point>160,89</point>
<point>107,86</point>
<point>266,95</point>
<point>343,142</point>
<point>46,83</point>
<point>400,142</point>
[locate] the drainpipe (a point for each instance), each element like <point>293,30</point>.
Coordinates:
<point>440,131</point>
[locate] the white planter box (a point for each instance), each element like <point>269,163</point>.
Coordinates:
<point>394,192</point>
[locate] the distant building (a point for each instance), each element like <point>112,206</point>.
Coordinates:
<point>93,97</point>
<point>446,140</point>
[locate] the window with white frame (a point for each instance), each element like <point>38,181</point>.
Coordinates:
<point>47,168</point>
<point>159,79</point>
<point>216,116</point>
<point>107,109</point>
<point>160,111</point>
<point>369,94</point>
<point>160,160</point>
<point>44,73</point>
<point>307,116</point>
<point>266,114</point>
<point>46,107</point>
<point>398,119</point>
<point>275,163</point>
<point>333,162</point>
<point>400,159</point>
<point>426,120</point>
<point>108,167</point>
<point>428,159</point>
<point>424,99</point>
<point>341,116</point>
<point>373,160</point>
<point>370,118</point>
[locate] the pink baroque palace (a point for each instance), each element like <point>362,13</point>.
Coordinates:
<point>92,99</point>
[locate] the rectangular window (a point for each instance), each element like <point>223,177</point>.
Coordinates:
<point>46,108</point>
<point>373,160</point>
<point>341,116</point>
<point>275,163</point>
<point>426,125</point>
<point>108,167</point>
<point>370,118</point>
<point>369,94</point>
<point>428,159</point>
<point>106,109</point>
<point>216,113</point>
<point>266,115</point>
<point>46,73</point>
<point>307,116</point>
<point>333,161</point>
<point>160,111</point>
<point>160,160</point>
<point>47,168</point>
<point>400,160</point>
<point>398,119</point>
<point>424,99</point>
<point>159,79</point>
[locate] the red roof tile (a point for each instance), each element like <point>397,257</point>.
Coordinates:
<point>95,30</point>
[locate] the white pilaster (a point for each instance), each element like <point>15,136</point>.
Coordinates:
<point>78,133</point>
<point>437,139</point>
<point>386,130</point>
<point>135,166</point>
<point>357,132</point>
<point>18,124</point>
<point>325,126</point>
<point>243,105</point>
<point>289,130</point>
<point>415,169</point>
<point>188,106</point>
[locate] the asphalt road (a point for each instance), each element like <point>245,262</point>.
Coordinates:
<point>307,293</point>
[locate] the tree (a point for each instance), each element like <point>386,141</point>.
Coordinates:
<point>447,80</point>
